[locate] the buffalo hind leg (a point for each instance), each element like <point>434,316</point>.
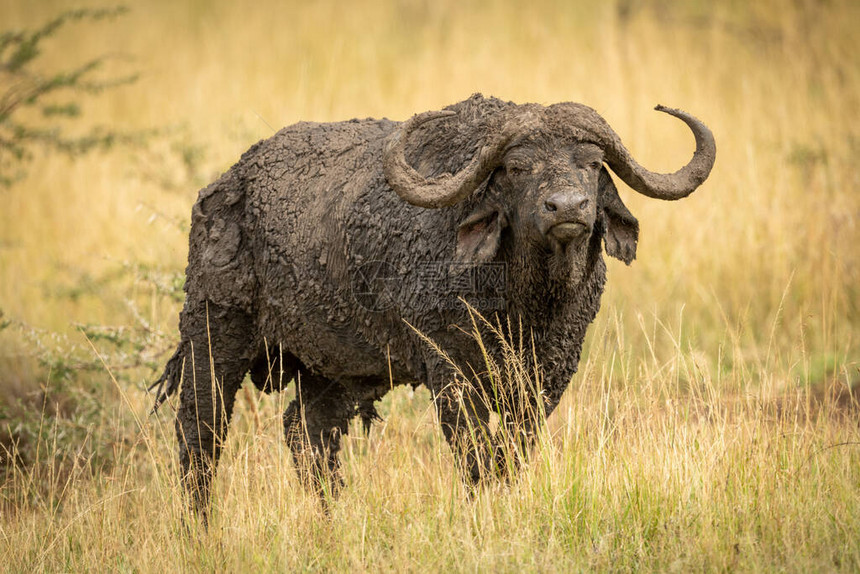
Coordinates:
<point>211,346</point>
<point>314,423</point>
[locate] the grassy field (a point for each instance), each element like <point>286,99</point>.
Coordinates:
<point>714,422</point>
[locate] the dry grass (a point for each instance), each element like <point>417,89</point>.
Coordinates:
<point>712,424</point>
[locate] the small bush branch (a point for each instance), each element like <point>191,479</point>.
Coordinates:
<point>22,86</point>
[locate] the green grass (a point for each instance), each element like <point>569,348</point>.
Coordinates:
<point>713,424</point>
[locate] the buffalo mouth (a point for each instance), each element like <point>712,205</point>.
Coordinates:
<point>568,231</point>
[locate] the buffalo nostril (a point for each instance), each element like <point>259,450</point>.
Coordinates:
<point>565,202</point>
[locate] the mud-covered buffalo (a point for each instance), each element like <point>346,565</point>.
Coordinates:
<point>334,254</point>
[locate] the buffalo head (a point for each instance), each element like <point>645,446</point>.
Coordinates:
<point>541,176</point>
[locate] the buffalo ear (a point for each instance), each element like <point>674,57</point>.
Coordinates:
<point>622,229</point>
<point>479,236</point>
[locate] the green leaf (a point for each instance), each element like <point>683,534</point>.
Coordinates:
<point>71,110</point>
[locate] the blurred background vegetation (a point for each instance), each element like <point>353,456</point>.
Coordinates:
<point>755,279</point>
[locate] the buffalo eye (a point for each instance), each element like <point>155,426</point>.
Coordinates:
<point>518,170</point>
<point>595,164</point>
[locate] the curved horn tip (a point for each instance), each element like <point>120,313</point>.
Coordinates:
<point>671,111</point>
<point>395,138</point>
<point>443,190</point>
<point>684,181</point>
<point>423,117</point>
